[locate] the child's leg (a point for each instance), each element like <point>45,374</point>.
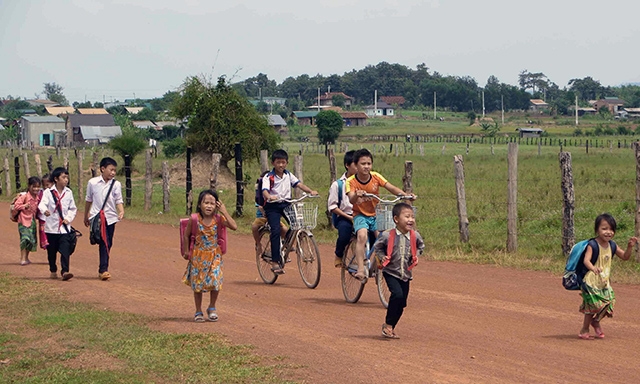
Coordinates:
<point>52,251</point>
<point>586,323</point>
<point>104,251</point>
<point>362,237</point>
<point>397,300</point>
<point>197,296</point>
<point>24,256</point>
<point>345,230</point>
<point>274,213</point>
<point>43,235</point>
<point>213,297</point>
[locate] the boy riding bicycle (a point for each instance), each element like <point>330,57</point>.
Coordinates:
<point>364,208</point>
<point>341,208</point>
<point>276,186</point>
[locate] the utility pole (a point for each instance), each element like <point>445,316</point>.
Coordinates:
<point>434,105</point>
<point>375,103</point>
<point>483,104</point>
<point>502,101</point>
<point>576,110</point>
<point>318,99</point>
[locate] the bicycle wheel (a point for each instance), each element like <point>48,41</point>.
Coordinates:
<point>263,260</point>
<point>308,260</point>
<point>352,288</point>
<point>383,289</point>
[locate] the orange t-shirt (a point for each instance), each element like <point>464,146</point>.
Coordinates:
<point>366,205</point>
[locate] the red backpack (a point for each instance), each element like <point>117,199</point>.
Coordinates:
<point>391,242</point>
<point>222,233</point>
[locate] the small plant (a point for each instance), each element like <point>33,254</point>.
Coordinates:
<point>175,147</point>
<point>577,132</point>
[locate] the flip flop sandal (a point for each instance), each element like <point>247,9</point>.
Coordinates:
<point>277,270</point>
<point>585,336</point>
<point>199,317</point>
<point>387,334</point>
<point>211,314</point>
<point>597,329</point>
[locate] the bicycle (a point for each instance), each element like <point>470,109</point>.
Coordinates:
<point>302,220</point>
<point>352,288</point>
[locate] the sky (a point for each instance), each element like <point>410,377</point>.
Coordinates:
<point>121,49</point>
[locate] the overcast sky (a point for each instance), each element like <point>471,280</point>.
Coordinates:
<point>117,48</point>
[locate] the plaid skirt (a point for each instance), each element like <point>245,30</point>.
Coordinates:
<point>28,238</point>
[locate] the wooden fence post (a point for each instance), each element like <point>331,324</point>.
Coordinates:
<point>94,164</point>
<point>66,160</point>
<point>539,148</point>
<point>189,193</point>
<point>166,193</point>
<point>16,169</point>
<point>36,157</point>
<point>264,161</point>
<point>25,161</point>
<point>50,163</point>
<point>512,199</point>
<point>7,176</point>
<point>297,170</point>
<point>444,146</point>
<point>332,165</point>
<point>568,202</point>
<point>148,179</point>
<point>80,181</point>
<point>463,219</point>
<point>637,216</point>
<point>407,179</point>
<point>127,175</point>
<point>239,179</point>
<point>215,171</point>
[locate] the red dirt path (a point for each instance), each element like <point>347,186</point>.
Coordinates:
<point>464,323</point>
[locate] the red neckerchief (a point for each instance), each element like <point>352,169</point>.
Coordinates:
<point>58,203</point>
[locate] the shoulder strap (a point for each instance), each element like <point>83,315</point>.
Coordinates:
<point>340,187</point>
<point>391,242</point>
<point>272,180</point>
<point>113,181</point>
<point>414,243</point>
<point>59,208</point>
<point>595,250</point>
<point>194,224</point>
<point>614,248</point>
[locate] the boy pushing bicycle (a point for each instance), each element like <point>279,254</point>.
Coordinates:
<point>364,208</point>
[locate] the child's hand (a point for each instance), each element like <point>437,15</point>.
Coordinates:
<point>314,193</point>
<point>360,192</point>
<point>221,208</point>
<point>185,256</point>
<point>86,220</point>
<point>597,270</point>
<point>273,197</point>
<point>47,213</point>
<point>632,241</point>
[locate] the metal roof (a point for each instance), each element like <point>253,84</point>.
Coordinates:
<point>93,111</point>
<point>43,119</point>
<point>305,114</point>
<point>102,134</point>
<point>276,120</point>
<point>91,120</point>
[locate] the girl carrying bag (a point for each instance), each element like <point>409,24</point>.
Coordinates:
<point>98,223</point>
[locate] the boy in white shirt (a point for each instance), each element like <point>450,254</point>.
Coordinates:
<point>97,191</point>
<point>341,208</point>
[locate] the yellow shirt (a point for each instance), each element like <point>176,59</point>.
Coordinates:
<point>366,205</point>
<point>600,281</point>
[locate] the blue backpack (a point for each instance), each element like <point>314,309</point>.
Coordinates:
<point>575,269</point>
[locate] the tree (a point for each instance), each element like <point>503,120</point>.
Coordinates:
<point>586,88</point>
<point>329,126</point>
<point>338,100</point>
<point>218,118</point>
<point>129,143</point>
<point>53,92</point>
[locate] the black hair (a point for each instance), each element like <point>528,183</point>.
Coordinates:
<point>47,177</point>
<point>34,180</point>
<point>106,161</point>
<point>364,152</point>
<point>608,218</point>
<point>201,197</point>
<point>57,173</point>
<point>398,208</point>
<point>279,154</point>
<point>348,158</point>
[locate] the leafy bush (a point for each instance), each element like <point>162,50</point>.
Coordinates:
<point>577,132</point>
<point>128,143</point>
<point>174,147</point>
<point>622,130</point>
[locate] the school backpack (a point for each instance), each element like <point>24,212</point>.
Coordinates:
<point>334,217</point>
<point>575,269</point>
<point>222,233</point>
<point>13,216</point>
<point>391,242</point>
<point>259,196</point>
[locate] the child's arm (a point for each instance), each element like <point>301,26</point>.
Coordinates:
<point>87,209</point>
<point>332,202</point>
<point>420,243</point>
<point>395,190</point>
<point>229,222</point>
<point>120,209</point>
<point>186,239</point>
<point>587,261</point>
<point>625,255</point>
<point>44,203</point>
<point>307,189</point>
<point>71,210</point>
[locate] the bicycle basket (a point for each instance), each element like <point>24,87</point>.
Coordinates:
<point>302,215</point>
<point>384,216</point>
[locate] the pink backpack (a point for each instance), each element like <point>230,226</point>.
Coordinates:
<point>222,233</point>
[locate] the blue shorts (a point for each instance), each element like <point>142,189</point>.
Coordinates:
<point>361,221</point>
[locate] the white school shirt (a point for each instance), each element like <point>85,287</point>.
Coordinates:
<point>69,210</point>
<point>97,189</point>
<point>281,185</point>
<point>332,201</point>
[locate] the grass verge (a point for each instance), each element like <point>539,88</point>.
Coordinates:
<point>47,339</point>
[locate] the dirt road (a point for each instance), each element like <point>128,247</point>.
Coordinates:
<point>464,323</point>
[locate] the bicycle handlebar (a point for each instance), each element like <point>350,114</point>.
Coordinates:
<point>398,198</point>
<point>304,196</point>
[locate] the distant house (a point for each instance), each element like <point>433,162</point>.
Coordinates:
<point>74,122</point>
<point>393,100</point>
<point>612,103</point>
<point>354,119</point>
<point>327,99</point>
<point>42,102</point>
<point>115,104</point>
<point>632,112</point>
<point>94,135</point>
<point>57,111</point>
<point>162,124</point>
<point>40,130</point>
<point>380,109</point>
<point>586,111</point>
<point>133,110</point>
<point>92,111</point>
<point>305,117</point>
<point>530,132</point>
<point>278,123</point>
<point>274,100</point>
<point>144,124</point>
<point>24,112</point>
<point>537,105</point>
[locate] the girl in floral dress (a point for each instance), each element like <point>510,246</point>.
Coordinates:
<point>26,207</point>
<point>204,270</point>
<point>597,295</point>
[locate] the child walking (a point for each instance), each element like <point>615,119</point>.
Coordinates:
<point>26,207</point>
<point>397,251</point>
<point>105,192</point>
<point>204,270</point>
<point>46,184</point>
<point>59,209</point>
<point>597,295</point>
<point>277,185</point>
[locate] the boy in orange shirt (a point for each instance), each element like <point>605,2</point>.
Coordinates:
<point>364,208</point>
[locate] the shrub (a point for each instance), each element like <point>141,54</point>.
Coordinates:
<point>174,147</point>
<point>577,132</point>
